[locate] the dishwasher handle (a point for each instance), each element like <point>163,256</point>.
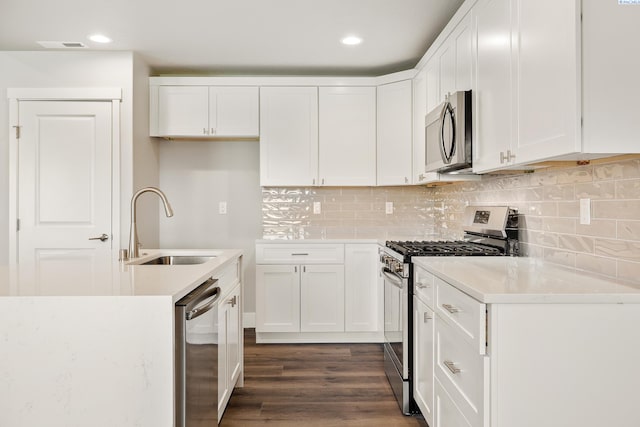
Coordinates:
<point>198,304</point>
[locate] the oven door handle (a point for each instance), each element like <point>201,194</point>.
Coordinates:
<point>393,278</point>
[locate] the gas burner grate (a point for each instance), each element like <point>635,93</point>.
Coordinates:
<point>443,248</point>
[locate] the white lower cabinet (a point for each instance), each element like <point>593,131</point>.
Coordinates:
<point>229,346</point>
<point>447,413</point>
<point>362,294</point>
<point>423,353</point>
<point>277,298</point>
<point>331,295</point>
<point>322,298</point>
<point>300,298</point>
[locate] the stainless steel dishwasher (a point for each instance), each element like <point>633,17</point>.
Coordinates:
<point>196,345</point>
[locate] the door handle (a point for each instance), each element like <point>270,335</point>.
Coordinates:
<point>103,237</point>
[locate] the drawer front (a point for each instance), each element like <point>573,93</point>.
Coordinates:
<point>465,313</point>
<point>460,369</point>
<point>228,277</point>
<point>447,414</point>
<point>423,286</point>
<point>300,253</point>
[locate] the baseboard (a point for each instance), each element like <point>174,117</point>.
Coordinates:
<point>248,320</point>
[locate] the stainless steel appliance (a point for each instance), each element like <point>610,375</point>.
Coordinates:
<point>488,231</point>
<point>196,347</point>
<point>448,135</point>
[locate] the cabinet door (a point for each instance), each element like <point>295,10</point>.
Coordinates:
<point>546,66</point>
<point>347,136</point>
<point>183,110</point>
<point>322,298</point>
<point>288,136</point>
<point>394,133</point>
<point>224,385</point>
<point>493,113</point>
<point>462,39</point>
<point>418,137</point>
<point>363,293</point>
<point>447,55</point>
<point>423,358</point>
<point>234,335</point>
<point>433,83</point>
<point>277,298</point>
<point>233,111</point>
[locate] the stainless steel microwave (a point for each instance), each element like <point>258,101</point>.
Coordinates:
<point>448,135</point>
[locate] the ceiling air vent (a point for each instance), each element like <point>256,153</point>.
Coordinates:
<point>62,45</point>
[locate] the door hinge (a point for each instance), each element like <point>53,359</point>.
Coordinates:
<point>17,128</point>
<point>18,224</point>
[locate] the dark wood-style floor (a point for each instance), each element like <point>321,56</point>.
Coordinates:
<point>314,385</point>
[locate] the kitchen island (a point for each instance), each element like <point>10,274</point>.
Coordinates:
<point>504,341</point>
<point>92,343</point>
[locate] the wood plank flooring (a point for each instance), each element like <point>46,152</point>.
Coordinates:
<point>314,385</point>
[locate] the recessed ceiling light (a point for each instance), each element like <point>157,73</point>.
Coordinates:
<point>99,38</point>
<point>351,40</point>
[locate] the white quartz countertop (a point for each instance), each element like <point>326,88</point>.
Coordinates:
<point>316,241</point>
<point>94,276</point>
<point>525,280</point>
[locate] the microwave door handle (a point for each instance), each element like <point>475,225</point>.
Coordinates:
<point>447,154</point>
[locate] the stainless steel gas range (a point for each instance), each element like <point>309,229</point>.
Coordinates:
<point>488,231</point>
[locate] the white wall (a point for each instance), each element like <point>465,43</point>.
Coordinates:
<point>196,176</point>
<point>85,69</point>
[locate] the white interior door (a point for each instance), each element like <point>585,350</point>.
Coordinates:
<point>64,179</point>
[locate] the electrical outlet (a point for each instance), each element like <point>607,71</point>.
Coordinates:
<point>585,211</point>
<point>222,208</point>
<point>316,208</point>
<point>388,208</point>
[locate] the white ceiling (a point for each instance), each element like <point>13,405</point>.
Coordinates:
<point>238,36</point>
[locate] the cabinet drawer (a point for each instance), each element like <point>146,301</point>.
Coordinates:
<point>228,277</point>
<point>300,254</point>
<point>460,369</point>
<point>465,313</point>
<point>424,286</point>
<point>447,414</point>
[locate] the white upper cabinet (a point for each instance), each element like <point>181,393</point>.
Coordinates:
<point>347,136</point>
<point>527,72</point>
<point>419,113</point>
<point>203,111</point>
<point>288,136</point>
<point>182,110</point>
<point>394,133</point>
<point>233,111</point>
<point>611,66</point>
<point>493,114</point>
<point>548,85</point>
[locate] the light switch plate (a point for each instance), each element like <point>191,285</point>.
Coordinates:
<point>388,207</point>
<point>585,211</point>
<point>222,208</point>
<point>316,208</point>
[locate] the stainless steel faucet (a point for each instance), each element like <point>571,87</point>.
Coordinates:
<point>133,231</point>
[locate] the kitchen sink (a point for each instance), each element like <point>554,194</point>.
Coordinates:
<point>179,260</point>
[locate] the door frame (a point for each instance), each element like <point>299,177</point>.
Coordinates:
<point>15,95</point>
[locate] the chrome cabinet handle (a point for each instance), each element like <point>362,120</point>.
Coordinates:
<point>103,237</point>
<point>233,301</point>
<point>299,254</point>
<point>451,366</point>
<point>421,285</point>
<point>450,308</point>
<point>427,317</point>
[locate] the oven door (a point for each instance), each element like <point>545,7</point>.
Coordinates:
<point>396,320</point>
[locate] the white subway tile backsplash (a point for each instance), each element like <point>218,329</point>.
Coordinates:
<point>547,201</point>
